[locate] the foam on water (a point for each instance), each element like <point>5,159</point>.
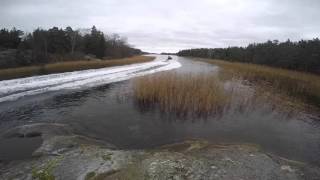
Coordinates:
<point>11,90</point>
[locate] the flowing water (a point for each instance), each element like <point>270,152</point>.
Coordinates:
<point>109,113</point>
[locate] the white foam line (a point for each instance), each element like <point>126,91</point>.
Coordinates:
<point>11,90</point>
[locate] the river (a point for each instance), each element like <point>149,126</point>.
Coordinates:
<point>107,112</point>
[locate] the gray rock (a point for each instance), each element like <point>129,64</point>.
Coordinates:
<point>90,57</point>
<point>46,130</point>
<point>64,155</point>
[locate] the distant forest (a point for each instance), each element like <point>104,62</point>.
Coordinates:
<point>303,55</point>
<point>56,44</point>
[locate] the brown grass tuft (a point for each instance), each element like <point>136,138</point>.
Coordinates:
<point>190,94</point>
<point>68,67</point>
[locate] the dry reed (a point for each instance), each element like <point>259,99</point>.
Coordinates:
<point>190,94</point>
<point>305,86</point>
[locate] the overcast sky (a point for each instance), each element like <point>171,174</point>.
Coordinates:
<point>171,25</point>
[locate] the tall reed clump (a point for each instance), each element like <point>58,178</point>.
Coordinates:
<point>69,66</point>
<point>189,94</point>
<point>305,86</point>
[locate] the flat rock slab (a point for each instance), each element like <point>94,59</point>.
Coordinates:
<point>68,156</point>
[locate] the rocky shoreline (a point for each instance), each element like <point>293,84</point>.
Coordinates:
<point>64,155</point>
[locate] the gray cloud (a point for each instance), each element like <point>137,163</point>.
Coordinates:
<point>171,25</point>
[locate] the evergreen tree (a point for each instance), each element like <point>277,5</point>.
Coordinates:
<point>303,55</point>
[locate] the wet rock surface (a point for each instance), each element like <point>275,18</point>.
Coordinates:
<point>64,155</point>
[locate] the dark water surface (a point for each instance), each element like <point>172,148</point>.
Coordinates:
<point>18,148</point>
<point>109,114</point>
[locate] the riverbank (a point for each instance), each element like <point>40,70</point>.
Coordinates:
<point>12,73</point>
<point>304,86</point>
<point>64,155</point>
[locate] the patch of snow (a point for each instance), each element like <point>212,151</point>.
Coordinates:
<point>11,90</point>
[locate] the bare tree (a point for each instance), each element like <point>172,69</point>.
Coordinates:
<point>73,37</point>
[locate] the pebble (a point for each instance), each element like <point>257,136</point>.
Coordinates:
<point>213,167</point>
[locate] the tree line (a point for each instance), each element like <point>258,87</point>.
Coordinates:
<point>46,45</point>
<point>303,55</point>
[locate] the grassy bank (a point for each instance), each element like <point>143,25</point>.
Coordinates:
<point>195,94</point>
<point>68,67</point>
<point>297,84</point>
